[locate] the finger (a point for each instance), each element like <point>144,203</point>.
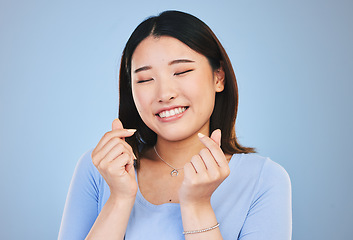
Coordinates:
<point>129,167</point>
<point>116,124</point>
<point>118,165</point>
<point>122,161</point>
<point>102,153</point>
<point>209,161</point>
<point>189,171</point>
<point>215,150</point>
<point>115,143</point>
<point>216,136</point>
<point>116,151</point>
<point>198,164</point>
<point>122,133</point>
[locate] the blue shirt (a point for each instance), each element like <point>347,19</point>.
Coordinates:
<point>252,203</point>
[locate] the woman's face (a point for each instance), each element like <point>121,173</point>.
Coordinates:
<point>173,87</point>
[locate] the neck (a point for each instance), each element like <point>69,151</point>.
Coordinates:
<point>178,153</point>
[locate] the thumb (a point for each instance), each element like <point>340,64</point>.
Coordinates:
<point>216,136</point>
<point>117,124</point>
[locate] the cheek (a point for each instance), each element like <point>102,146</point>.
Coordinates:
<point>202,87</point>
<point>205,93</point>
<point>140,99</point>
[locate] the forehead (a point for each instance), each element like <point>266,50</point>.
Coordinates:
<point>162,49</point>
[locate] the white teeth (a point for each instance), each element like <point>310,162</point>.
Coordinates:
<point>171,112</point>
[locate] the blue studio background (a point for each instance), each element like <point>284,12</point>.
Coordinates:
<point>58,95</point>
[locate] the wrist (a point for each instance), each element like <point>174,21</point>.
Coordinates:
<point>206,203</point>
<point>121,201</point>
<point>196,209</point>
<point>199,218</point>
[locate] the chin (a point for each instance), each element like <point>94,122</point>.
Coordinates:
<point>179,135</point>
<point>175,135</point>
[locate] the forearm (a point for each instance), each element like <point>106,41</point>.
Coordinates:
<point>198,217</point>
<point>112,220</point>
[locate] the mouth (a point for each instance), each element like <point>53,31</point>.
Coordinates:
<point>171,112</point>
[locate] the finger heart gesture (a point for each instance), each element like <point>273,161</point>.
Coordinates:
<point>113,157</point>
<point>205,172</point>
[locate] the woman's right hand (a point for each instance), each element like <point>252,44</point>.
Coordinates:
<point>114,159</point>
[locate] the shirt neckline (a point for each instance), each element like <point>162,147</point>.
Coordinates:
<point>141,199</point>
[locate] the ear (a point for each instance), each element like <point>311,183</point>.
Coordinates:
<point>219,77</point>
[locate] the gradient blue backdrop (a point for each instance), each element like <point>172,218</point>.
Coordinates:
<point>58,95</point>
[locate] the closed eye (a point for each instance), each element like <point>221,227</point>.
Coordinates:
<point>180,73</point>
<point>142,81</point>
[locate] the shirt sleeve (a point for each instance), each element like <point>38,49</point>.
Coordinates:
<point>81,207</point>
<point>270,214</point>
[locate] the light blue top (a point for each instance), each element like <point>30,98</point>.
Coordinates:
<point>253,203</point>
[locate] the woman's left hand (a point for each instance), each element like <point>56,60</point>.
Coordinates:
<point>205,172</point>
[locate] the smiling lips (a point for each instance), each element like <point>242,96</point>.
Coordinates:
<point>171,112</point>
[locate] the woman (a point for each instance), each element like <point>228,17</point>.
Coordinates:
<point>191,178</point>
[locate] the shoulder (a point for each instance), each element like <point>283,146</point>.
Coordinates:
<point>257,165</point>
<point>85,161</point>
<point>258,194</point>
<point>259,171</point>
<point>86,170</point>
<point>262,172</point>
<point>82,202</point>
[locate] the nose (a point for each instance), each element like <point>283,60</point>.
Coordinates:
<point>166,91</point>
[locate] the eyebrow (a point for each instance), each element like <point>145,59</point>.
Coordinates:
<point>145,68</point>
<point>180,61</point>
<point>142,69</point>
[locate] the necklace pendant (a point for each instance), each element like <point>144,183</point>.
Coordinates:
<point>174,173</point>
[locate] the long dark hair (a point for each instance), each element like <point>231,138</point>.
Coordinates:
<point>199,37</point>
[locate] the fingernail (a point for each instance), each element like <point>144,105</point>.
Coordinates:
<point>131,130</point>
<point>200,135</point>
